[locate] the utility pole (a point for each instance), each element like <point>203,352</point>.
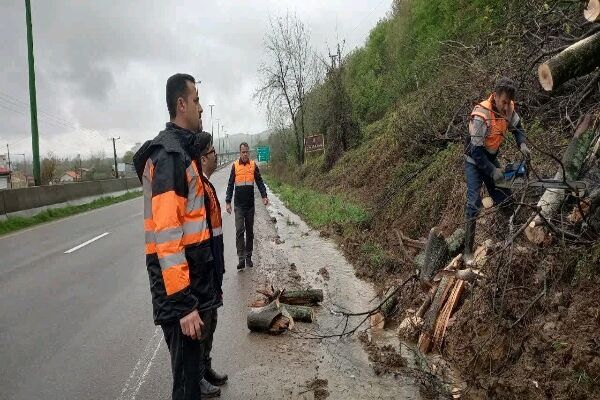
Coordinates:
<point>9,167</point>
<point>218,130</point>
<point>223,135</point>
<point>115,153</point>
<point>211,120</point>
<point>35,142</point>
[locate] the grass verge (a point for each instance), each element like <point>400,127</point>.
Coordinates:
<point>17,223</point>
<point>317,209</point>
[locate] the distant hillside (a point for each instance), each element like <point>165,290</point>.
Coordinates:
<point>253,139</point>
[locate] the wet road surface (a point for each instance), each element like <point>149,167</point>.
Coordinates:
<point>76,322</point>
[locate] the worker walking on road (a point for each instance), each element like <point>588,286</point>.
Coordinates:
<point>211,380</point>
<point>244,174</point>
<point>490,121</point>
<point>179,259</point>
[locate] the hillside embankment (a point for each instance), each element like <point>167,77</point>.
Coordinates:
<point>529,326</point>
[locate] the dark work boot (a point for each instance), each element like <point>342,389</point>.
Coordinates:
<point>241,264</point>
<point>469,241</point>
<point>214,378</point>
<point>249,262</point>
<point>207,390</point>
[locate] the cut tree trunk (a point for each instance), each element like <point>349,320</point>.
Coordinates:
<point>308,296</point>
<point>436,256</point>
<point>552,199</point>
<point>592,12</point>
<point>272,318</point>
<point>296,297</point>
<point>442,321</point>
<point>456,242</point>
<point>385,311</point>
<point>576,60</point>
<point>441,294</point>
<point>301,313</point>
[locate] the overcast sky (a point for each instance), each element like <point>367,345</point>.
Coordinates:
<point>101,66</point>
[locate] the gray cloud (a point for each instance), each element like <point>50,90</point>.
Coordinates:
<point>101,66</point>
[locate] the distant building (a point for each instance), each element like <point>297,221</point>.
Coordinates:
<point>3,161</point>
<point>19,180</point>
<point>4,178</point>
<point>69,177</point>
<point>126,170</point>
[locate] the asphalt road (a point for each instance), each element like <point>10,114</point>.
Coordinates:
<point>79,325</point>
<point>76,321</point>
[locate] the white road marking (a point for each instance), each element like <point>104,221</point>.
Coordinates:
<point>86,243</point>
<point>142,367</point>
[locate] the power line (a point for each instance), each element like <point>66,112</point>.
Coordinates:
<point>370,13</point>
<point>14,106</point>
<point>20,103</point>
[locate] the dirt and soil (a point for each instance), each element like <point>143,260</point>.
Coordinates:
<point>289,254</point>
<point>530,328</point>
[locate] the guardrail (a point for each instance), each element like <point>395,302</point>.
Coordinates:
<point>15,200</point>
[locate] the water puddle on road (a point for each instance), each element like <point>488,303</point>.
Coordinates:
<point>305,259</point>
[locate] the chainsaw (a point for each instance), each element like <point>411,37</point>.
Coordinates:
<point>516,176</point>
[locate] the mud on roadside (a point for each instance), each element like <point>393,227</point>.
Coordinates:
<point>289,254</point>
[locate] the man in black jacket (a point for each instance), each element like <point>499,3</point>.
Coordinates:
<point>244,173</point>
<point>179,259</point>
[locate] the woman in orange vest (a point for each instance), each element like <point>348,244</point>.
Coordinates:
<point>244,173</point>
<point>490,121</point>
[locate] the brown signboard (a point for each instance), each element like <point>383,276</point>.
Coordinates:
<point>314,143</point>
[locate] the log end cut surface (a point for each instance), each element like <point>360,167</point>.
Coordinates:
<point>592,12</point>
<point>545,77</point>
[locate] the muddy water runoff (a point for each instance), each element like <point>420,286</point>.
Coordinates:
<point>291,254</point>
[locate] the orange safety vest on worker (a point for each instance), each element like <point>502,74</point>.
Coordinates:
<point>217,245</point>
<point>497,124</point>
<point>244,173</point>
<point>243,177</point>
<point>179,259</point>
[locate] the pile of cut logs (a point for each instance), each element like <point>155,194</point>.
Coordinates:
<point>276,312</point>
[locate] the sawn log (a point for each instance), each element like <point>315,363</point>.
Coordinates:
<point>577,60</point>
<point>592,12</point>
<point>573,159</point>
<point>436,256</point>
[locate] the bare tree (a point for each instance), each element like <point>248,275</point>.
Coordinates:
<point>48,170</point>
<point>290,73</point>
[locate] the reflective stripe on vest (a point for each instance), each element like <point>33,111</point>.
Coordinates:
<point>193,228</point>
<point>216,222</point>
<point>496,123</point>
<point>244,173</point>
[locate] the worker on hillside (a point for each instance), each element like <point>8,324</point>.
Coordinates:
<point>179,259</point>
<point>244,173</point>
<point>211,380</point>
<point>490,121</point>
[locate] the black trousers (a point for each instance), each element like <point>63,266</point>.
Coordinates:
<point>244,223</point>
<point>185,362</point>
<point>210,324</point>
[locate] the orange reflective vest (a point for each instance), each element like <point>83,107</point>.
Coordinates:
<point>244,173</point>
<point>173,222</point>
<point>496,123</point>
<point>216,221</point>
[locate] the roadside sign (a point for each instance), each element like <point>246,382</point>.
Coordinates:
<point>263,153</point>
<point>314,143</point>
